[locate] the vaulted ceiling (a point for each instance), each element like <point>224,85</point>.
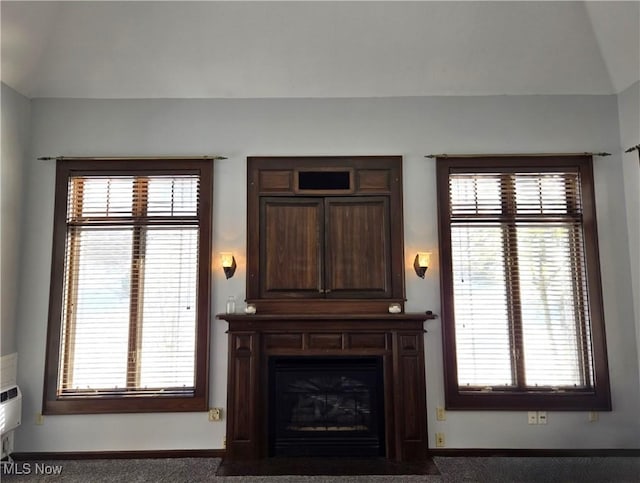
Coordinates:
<point>237,49</point>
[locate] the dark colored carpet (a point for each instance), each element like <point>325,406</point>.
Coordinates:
<point>325,466</point>
<point>608,469</point>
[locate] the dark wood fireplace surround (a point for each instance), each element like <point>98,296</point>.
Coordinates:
<point>325,262</point>
<point>397,338</point>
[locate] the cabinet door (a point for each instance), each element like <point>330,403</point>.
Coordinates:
<point>357,247</point>
<point>291,247</point>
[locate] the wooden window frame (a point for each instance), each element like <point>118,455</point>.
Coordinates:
<point>82,404</point>
<point>456,397</point>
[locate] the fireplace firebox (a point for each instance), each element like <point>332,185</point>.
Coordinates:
<point>326,406</point>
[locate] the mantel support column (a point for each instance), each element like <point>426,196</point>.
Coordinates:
<point>243,395</point>
<point>409,378</point>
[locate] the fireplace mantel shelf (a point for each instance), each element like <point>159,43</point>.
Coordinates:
<point>313,317</point>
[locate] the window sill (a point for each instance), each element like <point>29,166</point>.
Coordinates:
<point>527,401</point>
<point>124,404</point>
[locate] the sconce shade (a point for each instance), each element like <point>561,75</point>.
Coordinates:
<point>228,264</point>
<point>421,263</point>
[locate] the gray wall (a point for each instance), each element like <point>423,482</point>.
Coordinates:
<point>411,127</point>
<point>15,141</point>
<point>629,118</point>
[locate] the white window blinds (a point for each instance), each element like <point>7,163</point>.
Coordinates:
<point>129,315</point>
<point>519,284</point>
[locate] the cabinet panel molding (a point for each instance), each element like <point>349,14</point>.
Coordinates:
<point>374,181</point>
<point>276,181</point>
<point>325,341</point>
<point>357,259</point>
<point>291,253</point>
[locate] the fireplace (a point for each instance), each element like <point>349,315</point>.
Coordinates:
<point>389,421</point>
<point>326,406</point>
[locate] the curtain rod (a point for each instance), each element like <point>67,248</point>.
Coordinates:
<point>522,155</point>
<point>633,148</point>
<point>124,158</point>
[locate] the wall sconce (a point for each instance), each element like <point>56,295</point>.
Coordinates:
<point>421,263</point>
<point>228,264</point>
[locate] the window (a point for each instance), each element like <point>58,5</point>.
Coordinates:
<point>129,305</point>
<point>521,298</point>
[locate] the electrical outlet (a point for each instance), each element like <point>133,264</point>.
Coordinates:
<point>440,414</point>
<point>593,416</point>
<point>542,417</point>
<point>215,414</point>
<point>532,417</point>
<point>39,419</point>
<point>439,440</point>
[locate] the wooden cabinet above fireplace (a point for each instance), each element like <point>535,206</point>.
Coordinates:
<point>324,234</point>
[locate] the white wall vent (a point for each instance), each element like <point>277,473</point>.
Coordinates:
<point>10,408</point>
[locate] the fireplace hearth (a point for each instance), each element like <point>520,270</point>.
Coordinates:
<point>326,406</point>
